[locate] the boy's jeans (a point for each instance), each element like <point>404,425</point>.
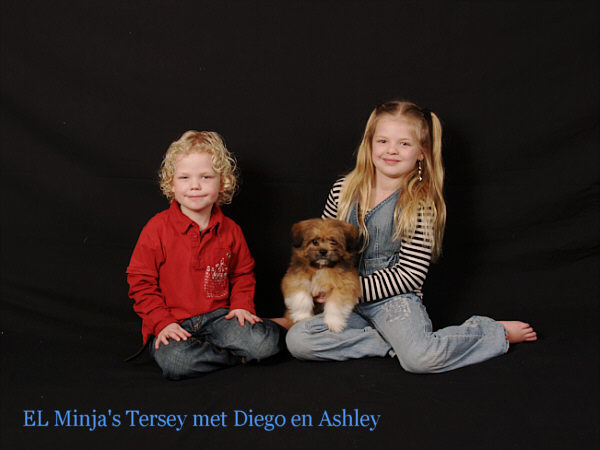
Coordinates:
<point>399,326</point>
<point>216,343</point>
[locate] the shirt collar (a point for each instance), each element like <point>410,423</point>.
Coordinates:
<point>183,223</point>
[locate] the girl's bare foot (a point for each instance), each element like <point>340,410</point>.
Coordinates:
<point>283,321</point>
<point>518,331</point>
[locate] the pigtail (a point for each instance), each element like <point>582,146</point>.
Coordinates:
<point>421,199</point>
<point>437,185</point>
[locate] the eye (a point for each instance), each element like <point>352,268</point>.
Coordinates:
<point>333,242</point>
<point>315,242</point>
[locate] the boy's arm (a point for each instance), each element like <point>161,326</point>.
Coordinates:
<point>149,303</point>
<point>242,284</point>
<point>144,289</point>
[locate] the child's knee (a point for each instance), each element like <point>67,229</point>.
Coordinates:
<point>297,344</point>
<point>265,341</point>
<point>417,359</point>
<point>174,363</point>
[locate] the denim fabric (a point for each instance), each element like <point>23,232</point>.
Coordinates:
<point>399,325</point>
<point>216,343</point>
<point>382,251</point>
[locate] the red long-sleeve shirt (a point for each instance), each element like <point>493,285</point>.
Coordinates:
<point>177,271</point>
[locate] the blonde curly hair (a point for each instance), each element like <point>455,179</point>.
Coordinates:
<point>223,162</point>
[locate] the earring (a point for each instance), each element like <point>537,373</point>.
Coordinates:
<point>420,171</point>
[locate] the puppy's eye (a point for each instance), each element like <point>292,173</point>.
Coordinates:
<point>315,242</point>
<point>333,242</point>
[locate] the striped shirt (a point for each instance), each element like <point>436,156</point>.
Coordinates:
<point>407,275</point>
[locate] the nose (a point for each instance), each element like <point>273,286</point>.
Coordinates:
<point>195,184</point>
<point>323,252</point>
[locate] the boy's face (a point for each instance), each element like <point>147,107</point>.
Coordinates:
<point>196,185</point>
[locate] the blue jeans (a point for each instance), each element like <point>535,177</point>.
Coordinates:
<point>399,326</point>
<point>216,343</point>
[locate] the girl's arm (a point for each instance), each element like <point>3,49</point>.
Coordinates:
<point>407,275</point>
<point>330,209</point>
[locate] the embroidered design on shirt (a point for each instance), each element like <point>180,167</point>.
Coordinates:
<point>216,281</point>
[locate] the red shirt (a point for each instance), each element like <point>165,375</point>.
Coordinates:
<point>177,271</point>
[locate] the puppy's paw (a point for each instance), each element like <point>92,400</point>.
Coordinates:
<point>335,324</point>
<point>336,316</point>
<point>300,306</point>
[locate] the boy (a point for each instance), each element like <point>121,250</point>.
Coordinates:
<point>191,273</point>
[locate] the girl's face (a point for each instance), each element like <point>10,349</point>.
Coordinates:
<point>196,185</point>
<point>395,149</point>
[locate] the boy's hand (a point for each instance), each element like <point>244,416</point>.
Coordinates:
<point>243,314</point>
<point>173,331</point>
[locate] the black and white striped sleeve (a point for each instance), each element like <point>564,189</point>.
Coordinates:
<point>331,205</point>
<point>407,275</point>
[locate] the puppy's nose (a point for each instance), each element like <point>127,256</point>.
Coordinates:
<point>323,252</point>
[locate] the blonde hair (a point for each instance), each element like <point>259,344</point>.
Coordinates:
<point>209,142</point>
<point>422,199</point>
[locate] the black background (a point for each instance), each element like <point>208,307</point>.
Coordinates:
<point>94,92</point>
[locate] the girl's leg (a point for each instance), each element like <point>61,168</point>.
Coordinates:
<point>518,331</point>
<point>404,323</point>
<point>310,339</point>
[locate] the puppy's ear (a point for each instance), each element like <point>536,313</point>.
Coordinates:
<point>298,234</point>
<point>351,234</point>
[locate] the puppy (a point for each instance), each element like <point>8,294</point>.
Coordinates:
<point>322,275</point>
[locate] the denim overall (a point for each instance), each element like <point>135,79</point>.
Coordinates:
<point>396,326</point>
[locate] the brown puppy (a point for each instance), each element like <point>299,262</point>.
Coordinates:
<point>322,273</point>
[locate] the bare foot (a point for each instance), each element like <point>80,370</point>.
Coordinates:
<point>518,331</point>
<point>283,321</point>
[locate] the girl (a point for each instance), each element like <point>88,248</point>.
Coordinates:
<point>394,196</point>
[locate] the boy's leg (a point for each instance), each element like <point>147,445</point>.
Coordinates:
<point>403,322</point>
<point>310,339</point>
<point>251,342</point>
<point>193,357</point>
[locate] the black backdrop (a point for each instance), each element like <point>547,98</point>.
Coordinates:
<point>94,92</point>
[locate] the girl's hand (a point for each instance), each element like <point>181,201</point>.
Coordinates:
<point>321,297</point>
<point>242,315</point>
<point>172,331</point>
